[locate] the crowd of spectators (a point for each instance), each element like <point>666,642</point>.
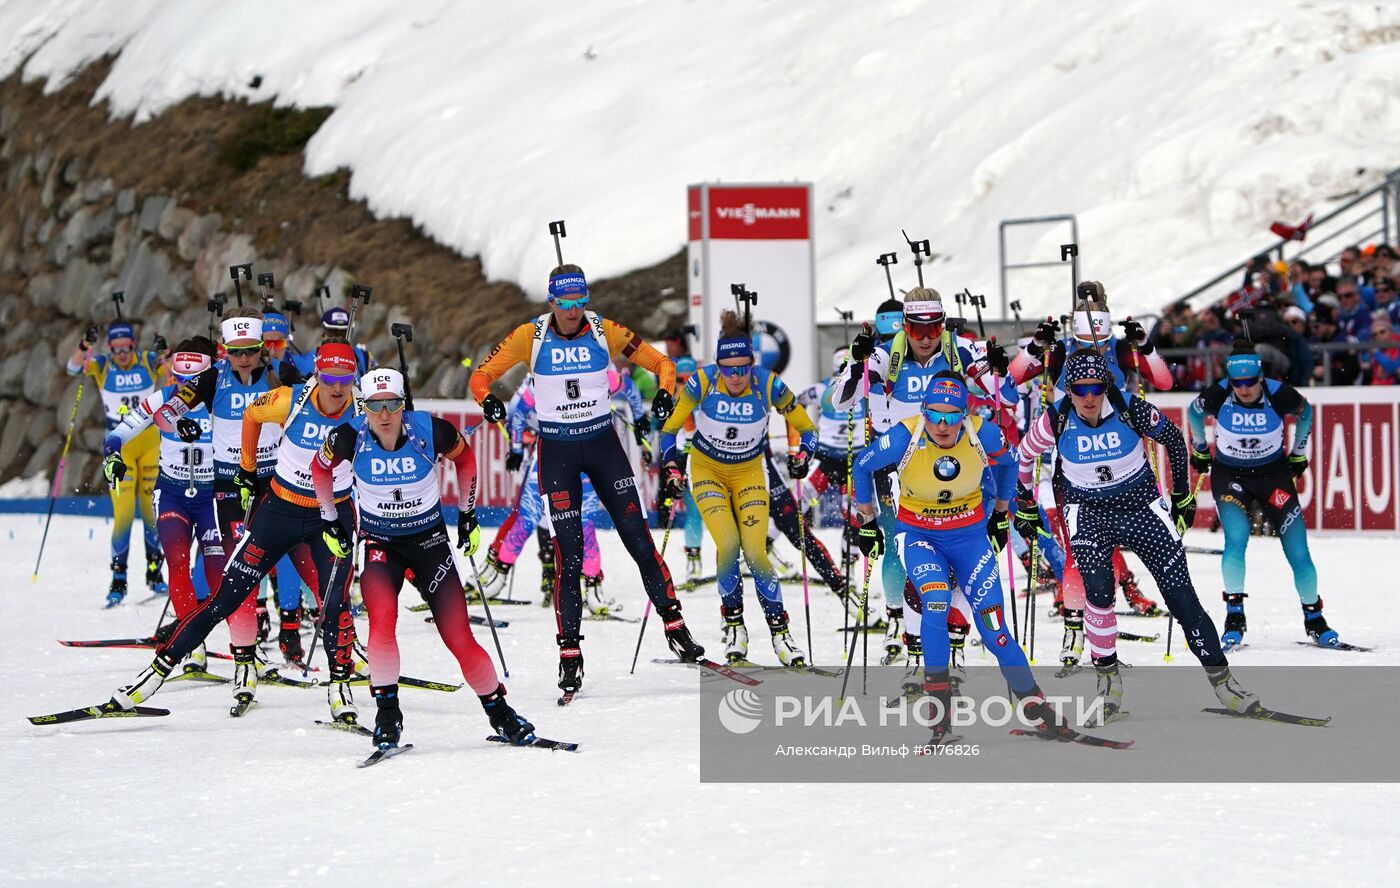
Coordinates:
<point>1292,311</point>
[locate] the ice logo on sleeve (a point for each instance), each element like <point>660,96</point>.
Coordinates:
<point>740,711</point>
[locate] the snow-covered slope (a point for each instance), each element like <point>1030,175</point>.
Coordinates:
<point>1176,131</point>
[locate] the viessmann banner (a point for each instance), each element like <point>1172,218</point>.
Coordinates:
<point>759,236</point>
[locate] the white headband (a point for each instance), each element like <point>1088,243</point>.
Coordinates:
<point>240,329</point>
<point>384,379</point>
<point>1103,326</point>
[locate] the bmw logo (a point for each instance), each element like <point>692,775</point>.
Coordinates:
<point>771,346</point>
<point>946,468</point>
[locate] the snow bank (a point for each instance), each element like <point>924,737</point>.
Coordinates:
<point>1176,132</point>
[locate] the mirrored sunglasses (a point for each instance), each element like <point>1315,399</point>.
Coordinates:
<point>336,379</point>
<point>243,349</point>
<point>1088,389</point>
<point>941,417</point>
<point>384,405</point>
<point>735,372</point>
<point>923,330</point>
<point>568,304</point>
<point>122,349</point>
<point>1244,382</point>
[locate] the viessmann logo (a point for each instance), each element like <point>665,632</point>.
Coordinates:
<point>749,214</point>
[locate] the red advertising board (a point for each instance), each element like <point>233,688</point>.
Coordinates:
<point>757,212</point>
<point>1353,453</point>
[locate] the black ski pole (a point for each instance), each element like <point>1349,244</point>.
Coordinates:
<point>243,272</point>
<point>979,302</point>
<point>556,230</point>
<point>216,313</point>
<point>490,621</point>
<point>1071,252</point>
<point>118,298</point>
<point>358,293</point>
<point>665,538</point>
<point>1015,307</point>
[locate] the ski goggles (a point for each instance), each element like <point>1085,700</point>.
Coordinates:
<point>735,372</point>
<point>384,405</point>
<point>1245,382</point>
<point>569,304</point>
<point>944,417</point>
<point>1088,389</point>
<point>923,329</point>
<point>336,378</point>
<point>122,349</point>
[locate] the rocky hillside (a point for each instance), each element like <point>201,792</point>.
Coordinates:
<point>159,211</point>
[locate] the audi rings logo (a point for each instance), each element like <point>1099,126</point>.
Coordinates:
<point>740,711</point>
<point>624,483</point>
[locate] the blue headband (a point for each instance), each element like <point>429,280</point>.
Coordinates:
<point>734,347</point>
<point>946,392</point>
<point>120,330</point>
<point>888,322</point>
<point>1243,366</point>
<point>568,285</point>
<point>274,323</point>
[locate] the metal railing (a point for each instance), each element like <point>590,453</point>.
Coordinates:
<point>1001,250</point>
<point>1382,220</point>
<point>1214,356</point>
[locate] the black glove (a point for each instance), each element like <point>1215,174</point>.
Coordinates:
<point>188,430</point>
<point>89,337</point>
<point>663,509</point>
<point>997,359</point>
<point>468,532</point>
<point>1298,465</point>
<point>863,346</point>
<point>998,529</point>
<point>1044,338</point>
<point>798,464</point>
<point>1027,519</point>
<point>514,460</point>
<point>641,427</point>
<point>870,538</point>
<point>336,538</point>
<point>113,469</point>
<point>672,481</point>
<point>1183,510</point>
<point>492,409</point>
<point>160,345</point>
<point>1134,334</point>
<point>247,484</point>
<point>662,405</point>
<point>1201,460</point>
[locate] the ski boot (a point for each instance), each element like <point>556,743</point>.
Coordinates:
<point>1316,625</point>
<point>957,651</point>
<point>1046,720</point>
<point>264,622</point>
<point>116,593</point>
<point>505,721</point>
<point>494,575</point>
<point>155,581</point>
<point>388,718</point>
<point>197,661</point>
<point>245,677</point>
<point>146,684</point>
<point>1229,692</point>
<point>678,635</point>
<point>1072,644</point>
<point>789,654</point>
<point>1140,603</point>
<point>939,687</point>
<point>736,636</point>
<point>692,566</point>
<point>342,700</point>
<point>289,636</point>
<point>1110,690</point>
<point>1234,621</point>
<point>913,667</point>
<point>894,635</point>
<point>598,605</point>
<point>570,664</point>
